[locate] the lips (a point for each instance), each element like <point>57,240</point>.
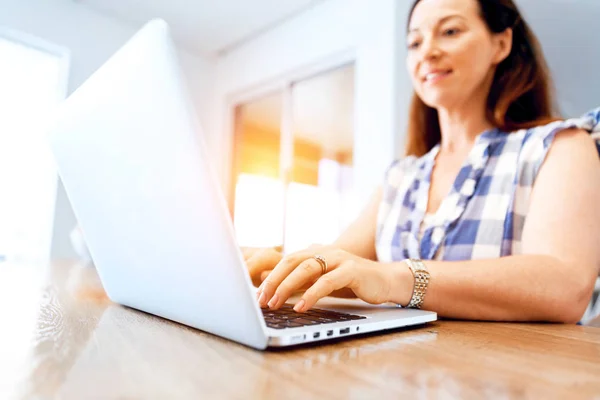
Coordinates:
<point>436,75</point>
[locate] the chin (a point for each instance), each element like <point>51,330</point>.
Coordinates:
<point>437,102</point>
<point>439,98</point>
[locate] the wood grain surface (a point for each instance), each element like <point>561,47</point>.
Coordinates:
<point>63,339</point>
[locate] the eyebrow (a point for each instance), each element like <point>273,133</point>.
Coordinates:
<point>447,17</point>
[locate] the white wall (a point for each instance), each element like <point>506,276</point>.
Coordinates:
<point>367,31</point>
<point>92,39</point>
<point>569,31</point>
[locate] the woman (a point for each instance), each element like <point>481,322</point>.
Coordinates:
<point>447,231</point>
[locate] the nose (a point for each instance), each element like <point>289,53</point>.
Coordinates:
<point>429,49</point>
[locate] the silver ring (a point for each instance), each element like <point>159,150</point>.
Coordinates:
<point>322,262</point>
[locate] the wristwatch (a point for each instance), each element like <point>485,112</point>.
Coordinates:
<point>421,275</point>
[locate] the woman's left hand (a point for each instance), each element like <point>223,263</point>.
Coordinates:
<point>369,280</point>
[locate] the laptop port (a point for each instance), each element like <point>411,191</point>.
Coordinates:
<point>297,338</point>
<point>329,333</point>
<point>316,335</point>
<point>344,331</point>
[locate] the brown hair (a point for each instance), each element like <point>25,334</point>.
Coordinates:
<point>521,95</point>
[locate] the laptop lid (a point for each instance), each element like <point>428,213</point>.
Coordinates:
<point>129,152</point>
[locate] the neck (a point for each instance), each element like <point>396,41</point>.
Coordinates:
<point>461,124</point>
<point>460,128</point>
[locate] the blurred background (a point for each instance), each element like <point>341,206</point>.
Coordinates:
<point>302,103</point>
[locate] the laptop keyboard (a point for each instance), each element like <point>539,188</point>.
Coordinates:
<point>286,317</point>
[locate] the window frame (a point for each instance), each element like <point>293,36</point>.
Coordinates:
<point>63,55</point>
<point>34,42</point>
<point>283,85</point>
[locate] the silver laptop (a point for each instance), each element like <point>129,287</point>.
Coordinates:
<point>130,154</point>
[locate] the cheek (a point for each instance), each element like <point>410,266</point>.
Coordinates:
<point>473,59</point>
<point>411,67</point>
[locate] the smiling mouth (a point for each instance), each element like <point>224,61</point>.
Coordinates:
<point>436,76</point>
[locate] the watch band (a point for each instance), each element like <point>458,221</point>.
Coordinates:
<point>421,276</point>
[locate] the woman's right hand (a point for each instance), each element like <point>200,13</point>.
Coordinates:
<point>260,262</point>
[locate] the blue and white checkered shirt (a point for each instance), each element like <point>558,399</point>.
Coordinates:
<point>484,214</point>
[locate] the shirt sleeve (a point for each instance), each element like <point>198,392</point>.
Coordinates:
<point>537,142</point>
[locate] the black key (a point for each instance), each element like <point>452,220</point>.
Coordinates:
<point>357,317</point>
<point>285,311</point>
<point>335,315</point>
<point>313,318</point>
<point>305,321</point>
<point>326,320</point>
<point>316,312</point>
<point>291,324</point>
<point>279,318</point>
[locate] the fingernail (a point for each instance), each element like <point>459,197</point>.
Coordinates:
<point>262,299</point>
<point>299,305</point>
<point>274,301</point>
<point>258,293</point>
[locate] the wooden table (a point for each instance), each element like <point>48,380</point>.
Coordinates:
<point>62,339</point>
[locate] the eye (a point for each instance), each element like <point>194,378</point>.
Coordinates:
<point>451,32</point>
<point>413,45</point>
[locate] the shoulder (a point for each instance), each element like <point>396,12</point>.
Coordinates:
<point>564,140</point>
<point>407,166</point>
<point>566,190</point>
<point>399,168</point>
<point>573,149</point>
<point>587,123</point>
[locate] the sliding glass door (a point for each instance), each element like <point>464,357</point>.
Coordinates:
<point>292,164</point>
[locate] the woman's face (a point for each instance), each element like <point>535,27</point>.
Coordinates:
<point>451,53</point>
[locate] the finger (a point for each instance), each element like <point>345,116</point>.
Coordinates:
<point>264,274</point>
<point>261,261</point>
<point>341,277</point>
<point>264,257</point>
<point>279,273</point>
<point>308,270</point>
<point>247,252</point>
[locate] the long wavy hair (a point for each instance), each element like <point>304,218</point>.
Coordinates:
<point>521,95</point>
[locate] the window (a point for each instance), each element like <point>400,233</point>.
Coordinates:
<point>32,78</point>
<point>292,164</point>
<point>259,191</point>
